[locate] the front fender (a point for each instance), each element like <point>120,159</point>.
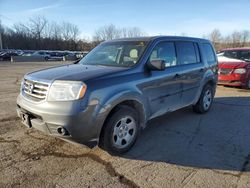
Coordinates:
<point>106,105</point>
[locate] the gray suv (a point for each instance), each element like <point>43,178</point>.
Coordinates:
<point>108,96</point>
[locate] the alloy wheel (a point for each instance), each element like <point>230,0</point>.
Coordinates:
<point>124,132</point>
<point>207,99</point>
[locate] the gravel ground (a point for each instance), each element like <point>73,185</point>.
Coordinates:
<point>180,149</point>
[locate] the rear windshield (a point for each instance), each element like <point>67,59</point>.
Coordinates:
<point>118,54</point>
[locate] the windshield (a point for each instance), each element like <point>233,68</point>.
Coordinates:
<point>238,54</point>
<point>118,54</point>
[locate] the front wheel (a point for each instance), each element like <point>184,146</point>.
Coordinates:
<point>120,131</point>
<point>205,101</point>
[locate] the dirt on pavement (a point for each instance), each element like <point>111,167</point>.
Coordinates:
<point>180,149</point>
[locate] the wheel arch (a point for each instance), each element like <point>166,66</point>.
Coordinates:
<point>208,78</point>
<point>133,103</point>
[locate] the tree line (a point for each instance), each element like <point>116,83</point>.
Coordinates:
<point>40,33</point>
<point>232,40</point>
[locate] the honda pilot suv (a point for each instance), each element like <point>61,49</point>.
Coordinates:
<point>108,96</point>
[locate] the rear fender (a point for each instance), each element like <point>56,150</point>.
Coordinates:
<point>209,76</point>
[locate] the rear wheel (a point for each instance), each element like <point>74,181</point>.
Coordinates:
<point>120,131</point>
<point>205,100</point>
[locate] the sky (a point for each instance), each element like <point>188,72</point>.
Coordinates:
<point>154,17</point>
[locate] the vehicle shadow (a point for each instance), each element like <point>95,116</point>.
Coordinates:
<point>215,140</point>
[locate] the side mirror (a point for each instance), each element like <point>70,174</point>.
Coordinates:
<point>156,65</point>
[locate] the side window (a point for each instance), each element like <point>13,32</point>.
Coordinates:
<point>245,55</point>
<point>186,52</point>
<point>231,54</point>
<point>164,51</point>
<point>209,53</point>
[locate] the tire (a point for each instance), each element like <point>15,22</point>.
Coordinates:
<point>120,131</point>
<point>205,101</point>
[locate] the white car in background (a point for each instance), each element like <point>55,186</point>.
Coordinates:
<point>41,53</point>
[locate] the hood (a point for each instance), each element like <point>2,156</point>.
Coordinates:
<point>232,65</point>
<point>227,59</point>
<point>76,72</point>
<point>225,62</point>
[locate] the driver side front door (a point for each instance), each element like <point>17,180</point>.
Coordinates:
<point>163,88</point>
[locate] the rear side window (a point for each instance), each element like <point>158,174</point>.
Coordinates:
<point>244,55</point>
<point>209,53</point>
<point>186,52</point>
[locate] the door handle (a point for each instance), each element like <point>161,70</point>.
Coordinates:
<point>177,76</point>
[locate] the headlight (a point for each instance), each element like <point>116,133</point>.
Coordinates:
<point>66,90</point>
<point>240,71</point>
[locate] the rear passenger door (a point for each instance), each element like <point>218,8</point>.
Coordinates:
<point>191,70</point>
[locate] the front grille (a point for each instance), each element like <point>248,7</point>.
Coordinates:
<point>225,71</point>
<point>35,90</point>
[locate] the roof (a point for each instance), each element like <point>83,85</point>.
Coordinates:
<point>150,38</point>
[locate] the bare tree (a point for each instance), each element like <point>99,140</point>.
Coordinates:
<point>37,26</point>
<point>22,29</point>
<point>124,32</point>
<point>69,31</point>
<point>131,32</point>
<point>110,32</point>
<point>245,37</point>
<point>54,31</point>
<point>66,30</point>
<point>236,39</point>
<point>1,27</point>
<point>107,32</point>
<point>226,42</point>
<point>215,36</point>
<point>74,32</point>
<point>1,33</point>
